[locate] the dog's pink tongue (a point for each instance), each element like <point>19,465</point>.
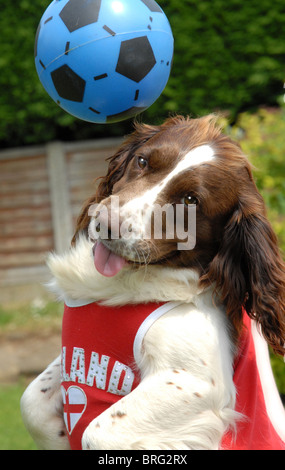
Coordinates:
<point>107,263</point>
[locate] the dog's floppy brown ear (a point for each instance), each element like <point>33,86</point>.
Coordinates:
<point>249,272</point>
<point>116,169</point>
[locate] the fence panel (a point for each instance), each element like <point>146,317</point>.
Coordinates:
<point>41,192</point>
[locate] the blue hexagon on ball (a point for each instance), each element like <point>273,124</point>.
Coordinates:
<point>104,61</point>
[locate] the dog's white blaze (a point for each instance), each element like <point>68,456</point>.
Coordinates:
<point>195,157</point>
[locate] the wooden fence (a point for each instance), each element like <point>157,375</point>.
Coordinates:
<point>41,192</point>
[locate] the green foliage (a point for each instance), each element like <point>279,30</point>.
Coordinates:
<point>277,364</point>
<point>229,54</point>
<point>261,136</point>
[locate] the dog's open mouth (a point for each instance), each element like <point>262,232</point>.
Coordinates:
<point>106,262</point>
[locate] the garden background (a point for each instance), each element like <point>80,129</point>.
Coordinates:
<point>229,58</point>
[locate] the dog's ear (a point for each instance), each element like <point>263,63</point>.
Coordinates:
<point>116,169</point>
<point>249,272</point>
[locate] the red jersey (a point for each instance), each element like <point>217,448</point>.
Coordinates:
<point>100,346</point>
<point>257,397</point>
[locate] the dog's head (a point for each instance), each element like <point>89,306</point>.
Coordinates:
<point>182,195</point>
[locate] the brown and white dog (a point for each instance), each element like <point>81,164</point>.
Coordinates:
<point>186,396</point>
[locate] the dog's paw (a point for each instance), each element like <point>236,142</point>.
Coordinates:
<point>107,432</point>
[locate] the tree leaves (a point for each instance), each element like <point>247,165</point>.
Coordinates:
<point>229,55</point>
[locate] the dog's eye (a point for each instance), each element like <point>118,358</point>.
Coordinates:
<point>142,162</point>
<point>189,200</point>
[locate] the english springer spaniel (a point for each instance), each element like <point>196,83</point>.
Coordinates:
<point>165,328</point>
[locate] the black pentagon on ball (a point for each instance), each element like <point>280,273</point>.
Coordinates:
<point>152,5</point>
<point>68,84</point>
<point>79,13</point>
<point>136,58</point>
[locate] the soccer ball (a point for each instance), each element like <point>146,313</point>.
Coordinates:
<point>104,60</point>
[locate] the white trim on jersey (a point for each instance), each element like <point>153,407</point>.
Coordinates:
<point>69,302</point>
<point>147,323</point>
<point>272,399</point>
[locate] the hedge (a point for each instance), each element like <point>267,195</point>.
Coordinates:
<point>229,55</point>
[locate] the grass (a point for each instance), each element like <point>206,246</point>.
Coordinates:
<point>28,318</point>
<point>35,317</point>
<point>13,434</point>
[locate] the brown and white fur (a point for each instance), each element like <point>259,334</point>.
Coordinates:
<point>186,398</point>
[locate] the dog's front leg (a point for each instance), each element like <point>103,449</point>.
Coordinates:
<point>169,410</point>
<point>186,398</point>
<point>42,410</point>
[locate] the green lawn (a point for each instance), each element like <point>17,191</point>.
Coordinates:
<point>46,316</point>
<point>13,435</point>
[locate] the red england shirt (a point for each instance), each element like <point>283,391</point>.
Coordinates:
<point>100,346</point>
<point>257,398</point>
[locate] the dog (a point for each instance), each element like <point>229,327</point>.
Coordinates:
<point>165,338</point>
